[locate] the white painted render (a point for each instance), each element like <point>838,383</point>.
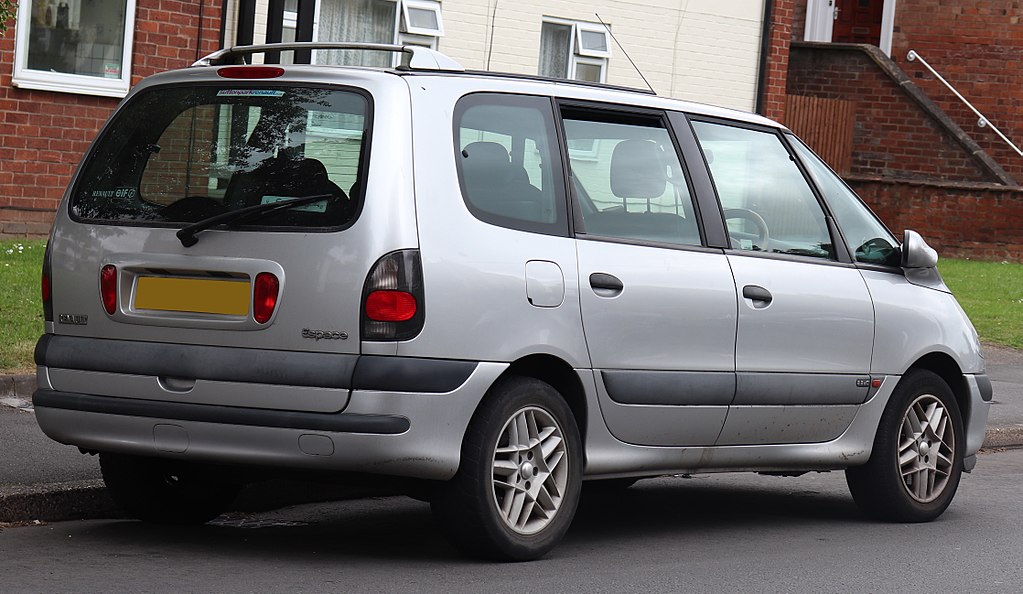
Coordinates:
<point>699,50</point>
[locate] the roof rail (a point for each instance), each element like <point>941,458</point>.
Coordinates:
<point>414,57</point>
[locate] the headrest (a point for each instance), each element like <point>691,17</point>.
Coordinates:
<point>637,170</point>
<point>486,152</point>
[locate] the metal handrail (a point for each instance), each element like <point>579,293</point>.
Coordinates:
<point>415,57</point>
<point>983,121</point>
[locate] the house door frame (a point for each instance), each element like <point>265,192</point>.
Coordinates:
<point>820,19</point>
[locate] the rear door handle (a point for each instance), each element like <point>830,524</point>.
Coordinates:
<point>760,296</point>
<point>606,285</point>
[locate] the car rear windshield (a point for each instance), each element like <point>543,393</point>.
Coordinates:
<point>177,155</point>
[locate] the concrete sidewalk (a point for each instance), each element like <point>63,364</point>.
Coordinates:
<point>46,481</point>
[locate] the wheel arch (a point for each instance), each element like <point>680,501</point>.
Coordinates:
<point>945,367</point>
<point>560,375</point>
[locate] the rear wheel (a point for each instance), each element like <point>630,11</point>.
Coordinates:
<point>164,491</point>
<point>917,460</point>
<point>518,483</point>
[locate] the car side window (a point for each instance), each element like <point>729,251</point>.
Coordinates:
<point>628,178</point>
<point>509,165</point>
<point>868,239</point>
<point>767,203</point>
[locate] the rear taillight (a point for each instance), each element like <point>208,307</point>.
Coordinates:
<point>393,300</point>
<point>46,287</point>
<point>108,287</point>
<point>390,306</point>
<point>265,290</point>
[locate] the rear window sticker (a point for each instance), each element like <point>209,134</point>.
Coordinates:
<point>249,93</point>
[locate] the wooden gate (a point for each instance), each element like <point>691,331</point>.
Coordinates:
<point>826,125</point>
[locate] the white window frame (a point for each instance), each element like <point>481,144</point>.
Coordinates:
<point>401,33</point>
<point>599,29</point>
<point>429,41</point>
<point>426,5</point>
<point>576,55</point>
<point>63,82</point>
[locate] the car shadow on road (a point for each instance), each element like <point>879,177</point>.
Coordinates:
<point>402,529</point>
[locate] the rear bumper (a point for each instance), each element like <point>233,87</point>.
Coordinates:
<point>401,417</point>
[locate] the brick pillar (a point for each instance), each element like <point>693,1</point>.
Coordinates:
<point>776,65</point>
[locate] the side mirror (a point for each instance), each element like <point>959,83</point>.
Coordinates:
<point>916,253</point>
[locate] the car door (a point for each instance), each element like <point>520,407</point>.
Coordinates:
<point>805,318</point>
<point>658,307</point>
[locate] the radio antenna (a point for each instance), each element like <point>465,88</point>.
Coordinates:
<point>638,71</point>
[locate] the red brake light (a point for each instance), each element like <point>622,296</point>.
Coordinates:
<point>390,306</point>
<point>108,287</point>
<point>46,286</point>
<point>250,72</point>
<point>264,296</point>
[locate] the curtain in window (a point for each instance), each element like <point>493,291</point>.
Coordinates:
<point>555,47</point>
<point>369,21</point>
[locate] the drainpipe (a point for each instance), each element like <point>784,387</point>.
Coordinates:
<point>765,49</point>
<point>223,24</point>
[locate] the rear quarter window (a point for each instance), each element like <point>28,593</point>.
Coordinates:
<point>179,155</point>
<point>509,162</point>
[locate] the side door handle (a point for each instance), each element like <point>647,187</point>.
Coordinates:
<point>606,285</point>
<point>760,296</point>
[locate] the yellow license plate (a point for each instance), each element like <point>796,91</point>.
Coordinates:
<point>224,297</point>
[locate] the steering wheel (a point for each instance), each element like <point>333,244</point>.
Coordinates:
<point>763,236</point>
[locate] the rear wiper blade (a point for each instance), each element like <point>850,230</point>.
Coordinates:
<point>187,235</point>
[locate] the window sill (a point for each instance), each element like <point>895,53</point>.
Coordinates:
<point>71,83</point>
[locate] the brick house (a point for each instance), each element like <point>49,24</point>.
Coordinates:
<point>900,137</point>
<point>62,71</point>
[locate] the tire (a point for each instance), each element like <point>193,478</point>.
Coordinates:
<point>917,461</point>
<point>165,492</point>
<point>518,484</point>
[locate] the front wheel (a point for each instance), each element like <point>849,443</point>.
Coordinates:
<point>917,460</point>
<point>164,491</point>
<point>518,483</point>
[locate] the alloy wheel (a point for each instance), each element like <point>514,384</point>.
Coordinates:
<point>530,470</point>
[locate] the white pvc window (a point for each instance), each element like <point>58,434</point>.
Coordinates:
<point>409,22</point>
<point>422,17</point>
<point>574,50</point>
<point>74,46</point>
<point>592,40</point>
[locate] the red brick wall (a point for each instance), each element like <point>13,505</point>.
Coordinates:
<point>799,20</point>
<point>977,221</point>
<point>977,45</point>
<point>778,60</point>
<point>892,136</point>
<point>43,135</point>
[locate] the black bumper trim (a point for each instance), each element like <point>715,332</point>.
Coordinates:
<point>256,366</point>
<point>225,415</point>
<point>984,385</point>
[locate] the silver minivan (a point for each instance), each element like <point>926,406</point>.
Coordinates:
<point>494,287</point>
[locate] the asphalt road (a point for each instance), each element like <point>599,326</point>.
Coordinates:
<point>727,533</point>
<point>31,458</point>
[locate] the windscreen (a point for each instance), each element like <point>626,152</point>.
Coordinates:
<point>177,155</point>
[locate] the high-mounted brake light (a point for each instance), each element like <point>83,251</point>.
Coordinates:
<point>108,288</point>
<point>264,296</point>
<point>250,72</point>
